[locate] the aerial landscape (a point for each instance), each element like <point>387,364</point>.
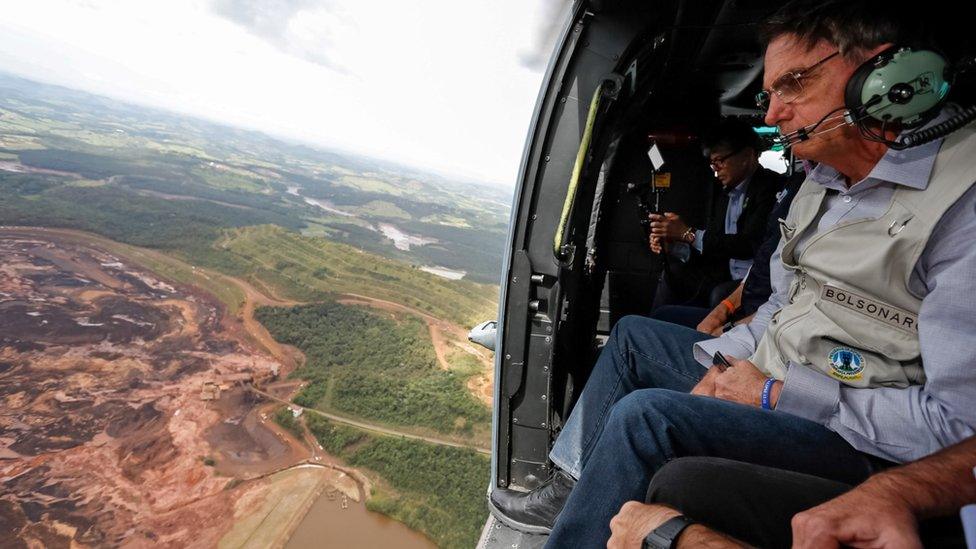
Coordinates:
<point>212,337</point>
<point>488,274</point>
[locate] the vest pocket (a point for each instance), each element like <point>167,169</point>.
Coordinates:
<point>856,355</point>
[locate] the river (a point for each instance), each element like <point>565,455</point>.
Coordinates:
<point>401,240</point>
<point>444,272</point>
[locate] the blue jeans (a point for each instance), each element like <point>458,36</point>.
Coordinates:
<point>635,414</point>
<point>683,315</point>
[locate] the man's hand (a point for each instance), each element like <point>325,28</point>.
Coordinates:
<point>634,521</point>
<point>715,321</point>
<point>742,383</point>
<point>706,386</point>
<point>656,245</point>
<point>868,516</point>
<point>668,227</point>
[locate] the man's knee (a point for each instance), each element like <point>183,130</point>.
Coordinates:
<point>683,478</point>
<point>629,329</point>
<point>628,325</point>
<point>640,406</point>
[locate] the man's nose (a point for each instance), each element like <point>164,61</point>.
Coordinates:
<point>777,112</point>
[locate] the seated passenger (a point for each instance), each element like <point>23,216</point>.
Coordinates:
<point>748,296</point>
<point>834,385</point>
<point>725,503</point>
<point>721,252</point>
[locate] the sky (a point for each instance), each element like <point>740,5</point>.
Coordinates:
<point>445,85</point>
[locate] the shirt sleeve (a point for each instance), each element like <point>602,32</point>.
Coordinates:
<point>699,236</point>
<point>680,251</point>
<point>741,341</point>
<point>905,424</point>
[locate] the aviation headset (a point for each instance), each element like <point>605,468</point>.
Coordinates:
<point>898,85</point>
<point>902,86</point>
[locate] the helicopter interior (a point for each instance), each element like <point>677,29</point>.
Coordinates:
<point>627,76</point>
<point>680,75</point>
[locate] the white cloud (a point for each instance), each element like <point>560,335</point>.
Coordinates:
<point>298,27</point>
<point>431,83</point>
<point>548,27</point>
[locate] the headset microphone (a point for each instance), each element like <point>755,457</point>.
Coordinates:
<point>810,130</point>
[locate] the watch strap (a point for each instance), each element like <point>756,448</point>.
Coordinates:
<point>664,536</point>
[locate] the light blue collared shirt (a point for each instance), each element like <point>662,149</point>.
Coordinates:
<point>896,424</point>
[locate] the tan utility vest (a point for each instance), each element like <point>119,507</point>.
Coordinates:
<point>850,314</point>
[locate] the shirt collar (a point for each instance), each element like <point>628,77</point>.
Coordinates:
<point>741,187</point>
<point>910,167</point>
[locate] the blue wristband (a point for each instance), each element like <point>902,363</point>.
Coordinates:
<point>767,389</point>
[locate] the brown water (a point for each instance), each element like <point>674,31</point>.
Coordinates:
<point>327,524</point>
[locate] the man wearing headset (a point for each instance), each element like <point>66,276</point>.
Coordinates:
<point>873,278</point>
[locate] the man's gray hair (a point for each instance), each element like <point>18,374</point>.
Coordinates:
<point>853,26</point>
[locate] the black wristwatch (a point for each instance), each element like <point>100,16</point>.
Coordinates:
<point>664,536</point>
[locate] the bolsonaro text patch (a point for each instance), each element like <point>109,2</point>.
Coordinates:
<point>895,316</point>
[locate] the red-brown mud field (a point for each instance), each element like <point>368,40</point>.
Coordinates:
<point>105,438</point>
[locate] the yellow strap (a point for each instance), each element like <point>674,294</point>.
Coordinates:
<point>577,170</point>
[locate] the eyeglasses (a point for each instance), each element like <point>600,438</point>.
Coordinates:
<point>720,161</point>
<point>788,86</point>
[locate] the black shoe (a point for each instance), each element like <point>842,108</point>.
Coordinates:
<point>532,512</point>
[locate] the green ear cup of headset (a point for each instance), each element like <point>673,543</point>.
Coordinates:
<point>899,85</point>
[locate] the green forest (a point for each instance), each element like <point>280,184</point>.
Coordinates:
<point>362,364</point>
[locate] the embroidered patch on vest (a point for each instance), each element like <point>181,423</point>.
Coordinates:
<point>846,364</point>
<point>893,316</point>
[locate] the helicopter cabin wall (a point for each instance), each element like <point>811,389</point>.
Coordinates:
<point>538,286</point>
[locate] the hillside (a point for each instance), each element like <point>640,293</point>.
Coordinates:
<point>371,273</point>
<point>71,147</point>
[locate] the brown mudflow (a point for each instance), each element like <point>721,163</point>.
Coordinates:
<point>104,437</point>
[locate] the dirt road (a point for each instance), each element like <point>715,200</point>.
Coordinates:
<point>371,427</point>
<point>289,356</point>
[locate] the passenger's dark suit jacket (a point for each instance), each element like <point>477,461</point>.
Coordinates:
<point>758,287</point>
<point>712,265</point>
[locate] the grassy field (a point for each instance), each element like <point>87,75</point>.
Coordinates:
<point>437,490</point>
<point>314,263</point>
<point>230,240</point>
<point>362,364</point>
